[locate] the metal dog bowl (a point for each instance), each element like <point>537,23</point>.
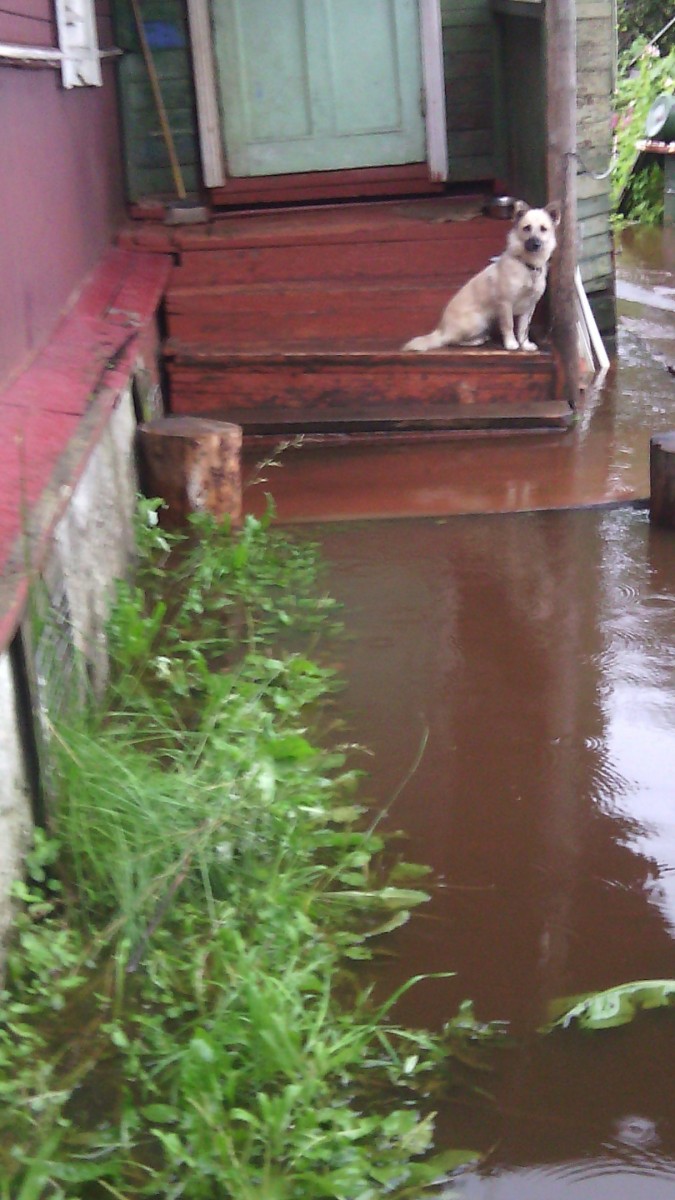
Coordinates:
<point>501,207</point>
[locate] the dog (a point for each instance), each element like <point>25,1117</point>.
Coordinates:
<point>503,296</point>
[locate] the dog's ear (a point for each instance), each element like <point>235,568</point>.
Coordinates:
<point>554,211</point>
<point>519,207</point>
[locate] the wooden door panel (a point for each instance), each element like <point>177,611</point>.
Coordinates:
<point>319,85</point>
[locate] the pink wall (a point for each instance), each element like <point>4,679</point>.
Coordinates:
<point>27,22</point>
<point>61,194</point>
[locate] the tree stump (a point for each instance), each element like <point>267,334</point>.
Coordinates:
<point>194,465</point>
<point>662,480</point>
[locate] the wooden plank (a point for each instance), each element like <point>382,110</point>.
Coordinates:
<point>594,206</point>
<point>588,187</point>
<point>486,417</point>
<point>597,272</point>
<point>595,226</point>
<point>376,181</point>
<point>463,12</point>
<point>561,77</point>
<point>594,9</point>
<point>21,29</point>
<point>206,383</point>
<point>292,264</point>
<point>598,245</point>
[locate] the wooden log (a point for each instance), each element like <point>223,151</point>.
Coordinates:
<point>662,480</point>
<point>194,464</point>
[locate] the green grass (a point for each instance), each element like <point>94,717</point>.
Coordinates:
<point>185,1012</point>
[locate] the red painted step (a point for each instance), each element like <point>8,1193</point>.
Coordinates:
<point>333,316</point>
<point>331,388</point>
<point>294,320</point>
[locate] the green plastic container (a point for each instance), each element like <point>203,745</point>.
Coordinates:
<point>660,122</point>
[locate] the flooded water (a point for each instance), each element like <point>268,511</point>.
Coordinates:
<point>510,664</point>
<point>528,662</point>
<point>604,458</point>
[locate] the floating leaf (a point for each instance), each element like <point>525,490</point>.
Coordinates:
<point>399,918</point>
<point>613,1007</point>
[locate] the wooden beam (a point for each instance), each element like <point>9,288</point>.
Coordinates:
<point>561,94</point>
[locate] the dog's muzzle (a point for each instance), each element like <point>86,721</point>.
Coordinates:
<point>532,245</point>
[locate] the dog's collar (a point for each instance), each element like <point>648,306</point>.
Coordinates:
<point>533,269</point>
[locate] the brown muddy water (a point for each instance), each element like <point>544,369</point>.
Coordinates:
<point>510,665</point>
<point>528,662</point>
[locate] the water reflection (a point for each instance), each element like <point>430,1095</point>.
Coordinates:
<point>534,653</point>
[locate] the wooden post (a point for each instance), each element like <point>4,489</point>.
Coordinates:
<point>194,464</point>
<point>561,106</point>
<point>662,480</point>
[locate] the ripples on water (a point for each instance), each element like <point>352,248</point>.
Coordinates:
<point>535,654</point>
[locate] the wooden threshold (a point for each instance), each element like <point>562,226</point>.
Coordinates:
<point>410,179</point>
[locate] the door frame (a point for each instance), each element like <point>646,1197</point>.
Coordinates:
<point>208,109</point>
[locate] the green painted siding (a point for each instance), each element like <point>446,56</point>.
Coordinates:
<point>520,102</point>
<point>147,160</point>
<point>596,59</point>
<point>469,68</point>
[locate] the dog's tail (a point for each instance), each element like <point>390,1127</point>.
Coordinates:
<point>428,341</point>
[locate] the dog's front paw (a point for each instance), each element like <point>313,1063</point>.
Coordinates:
<point>529,346</point>
<point>510,342</point>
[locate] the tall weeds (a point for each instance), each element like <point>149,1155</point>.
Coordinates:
<point>179,1017</point>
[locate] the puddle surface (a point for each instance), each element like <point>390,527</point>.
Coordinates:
<point>528,662</point>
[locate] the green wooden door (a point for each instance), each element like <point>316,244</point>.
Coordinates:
<point>318,85</point>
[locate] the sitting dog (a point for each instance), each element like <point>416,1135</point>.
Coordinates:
<point>503,296</point>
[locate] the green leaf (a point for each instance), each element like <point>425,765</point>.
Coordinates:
<point>160,1114</point>
<point>293,747</point>
<point>395,922</point>
<point>611,1008</point>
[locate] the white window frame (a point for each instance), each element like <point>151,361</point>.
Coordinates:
<point>78,43</point>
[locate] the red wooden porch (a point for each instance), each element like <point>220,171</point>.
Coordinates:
<point>292,321</point>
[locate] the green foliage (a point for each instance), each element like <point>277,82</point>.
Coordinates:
<point>643,19</point>
<point>613,1007</point>
<point>638,194</point>
<point>179,1019</point>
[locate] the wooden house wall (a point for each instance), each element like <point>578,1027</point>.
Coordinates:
<point>596,60</point>
<point>467,46</point>
<point>520,102</point>
<point>468,61</point>
<point>28,23</point>
<point>61,183</point>
<point>147,161</point>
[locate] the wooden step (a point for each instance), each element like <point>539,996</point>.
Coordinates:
<point>394,419</point>
<point>373,389</point>
<point>381,260</point>
<point>338,315</point>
